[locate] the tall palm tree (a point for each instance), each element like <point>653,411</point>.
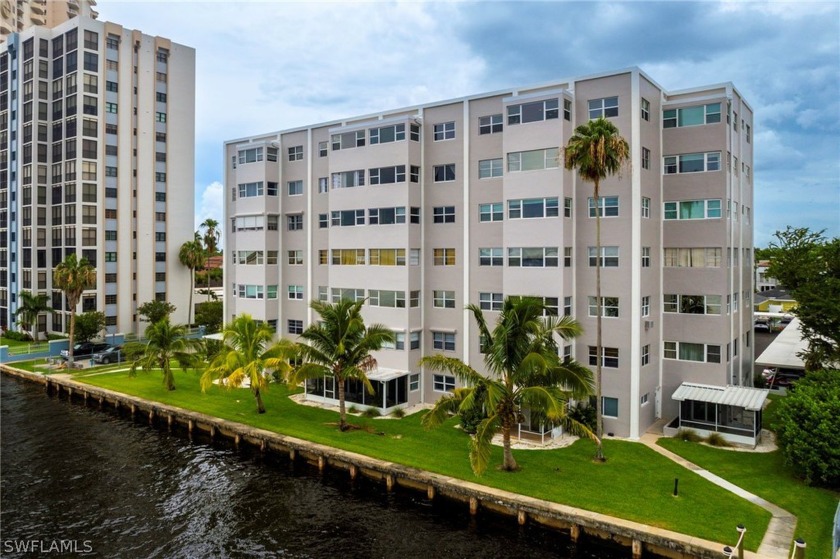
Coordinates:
<point>211,238</point>
<point>339,346</point>
<point>164,344</point>
<point>30,306</point>
<point>192,256</point>
<point>597,150</point>
<point>525,371</point>
<point>248,353</point>
<point>72,277</point>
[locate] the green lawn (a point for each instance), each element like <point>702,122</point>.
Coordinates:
<point>766,475</point>
<point>635,483</point>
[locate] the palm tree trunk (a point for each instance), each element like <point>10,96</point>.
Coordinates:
<point>509,463</point>
<point>342,413</point>
<point>258,397</point>
<point>599,427</point>
<point>192,288</point>
<point>72,335</point>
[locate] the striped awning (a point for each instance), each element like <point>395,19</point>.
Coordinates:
<point>740,396</point>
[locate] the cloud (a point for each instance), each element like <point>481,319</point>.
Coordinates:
<point>210,205</point>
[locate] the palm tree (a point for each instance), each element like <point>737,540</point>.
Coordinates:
<point>72,277</point>
<point>211,238</point>
<point>520,354</point>
<point>30,306</point>
<point>165,343</point>
<point>248,353</point>
<point>192,256</point>
<point>597,150</point>
<point>339,346</point>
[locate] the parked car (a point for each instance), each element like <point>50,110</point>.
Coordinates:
<point>113,354</point>
<point>761,327</point>
<point>85,349</point>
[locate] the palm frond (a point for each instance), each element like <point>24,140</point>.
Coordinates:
<point>463,372</point>
<point>444,408</point>
<point>481,445</point>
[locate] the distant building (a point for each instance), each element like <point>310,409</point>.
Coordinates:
<point>763,282</point>
<point>97,136</point>
<point>777,300</point>
<point>421,210</point>
<point>19,15</point>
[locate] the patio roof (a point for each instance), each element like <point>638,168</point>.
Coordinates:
<point>384,375</point>
<point>747,398</point>
<point>782,351</point>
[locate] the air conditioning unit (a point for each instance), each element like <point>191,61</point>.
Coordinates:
<point>648,325</point>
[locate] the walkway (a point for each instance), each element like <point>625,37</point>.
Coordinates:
<point>780,532</point>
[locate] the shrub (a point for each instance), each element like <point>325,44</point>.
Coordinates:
<point>584,413</point>
<point>16,336</point>
<point>808,428</point>
<point>759,381</point>
<point>371,412</point>
<point>716,439</point>
<point>398,413</point>
<point>689,435</point>
<point>352,409</point>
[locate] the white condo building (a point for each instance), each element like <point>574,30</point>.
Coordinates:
<point>96,158</point>
<point>425,209</point>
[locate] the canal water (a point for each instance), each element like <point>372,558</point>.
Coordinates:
<point>78,482</point>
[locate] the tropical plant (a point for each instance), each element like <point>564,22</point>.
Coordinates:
<point>597,151</point>
<point>209,315</point>
<point>192,256</point>
<point>165,343</point>
<point>155,311</point>
<point>247,352</point>
<point>72,277</point>
<point>30,306</point>
<point>89,325</point>
<point>212,235</point>
<point>339,346</point>
<point>525,372</point>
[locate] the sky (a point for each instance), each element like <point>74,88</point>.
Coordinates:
<point>268,66</point>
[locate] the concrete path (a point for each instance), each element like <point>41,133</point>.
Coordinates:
<point>780,532</point>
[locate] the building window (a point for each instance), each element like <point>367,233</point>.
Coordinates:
<point>567,306</point>
<point>645,109</point>
<point>489,124</point>
<point>645,257</point>
<point>414,382</point>
<point>609,406</point>
<point>251,189</point>
<point>322,149</point>
<point>296,292</point>
<point>749,133</point>
<point>691,116</point>
<point>444,383</point>
<point>693,209</point>
<point>387,134</point>
<point>110,108</point>
<point>271,154</point>
<point>295,326</point>
<point>251,155</point>
<point>646,305</point>
<point>294,222</point>
<point>444,131</point>
<point>692,163</point>
<point>350,294</point>
<point>567,257</point>
<point>160,117</point>
<point>490,212</point>
<point>533,160</point>
<point>606,107</point>
<point>444,214</point>
<point>567,110</point>
<point>609,356</point>
<point>645,206</point>
<point>609,257</point>
<point>533,112</point>
<point>533,257</point>
<point>387,175</point>
<point>567,207</point>
<point>295,153</point>
<point>348,257</point>
<point>387,256</point>
<point>609,206</point>
<point>347,218</point>
<point>443,340</point>
<point>691,304</point>
<point>348,179</point>
<point>490,168</point>
<point>444,173</point>
<point>645,158</point>
<point>444,299</point>
<point>609,307</point>
<point>490,301</point>
<point>444,257</point>
<point>533,208</point>
<point>347,140</point>
<point>386,216</point>
<point>490,257</point>
<point>701,257</point>
<point>295,188</point>
<point>295,258</point>
<point>684,351</point>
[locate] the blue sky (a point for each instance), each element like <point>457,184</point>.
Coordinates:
<point>266,66</point>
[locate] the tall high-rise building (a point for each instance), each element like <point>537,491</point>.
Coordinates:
<point>18,15</point>
<point>422,210</point>
<point>96,158</point>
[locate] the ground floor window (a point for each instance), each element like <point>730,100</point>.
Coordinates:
<point>386,393</point>
<point>609,407</point>
<point>444,383</point>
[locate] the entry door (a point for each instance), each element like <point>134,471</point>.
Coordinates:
<point>329,387</point>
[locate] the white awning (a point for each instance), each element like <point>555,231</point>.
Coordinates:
<point>740,396</point>
<point>384,375</point>
<point>782,351</point>
<point>217,336</point>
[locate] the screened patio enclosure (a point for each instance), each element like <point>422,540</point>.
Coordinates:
<point>732,411</point>
<point>390,390</point>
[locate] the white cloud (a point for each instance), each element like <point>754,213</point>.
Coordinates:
<point>211,205</point>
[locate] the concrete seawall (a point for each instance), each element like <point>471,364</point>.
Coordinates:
<point>639,538</point>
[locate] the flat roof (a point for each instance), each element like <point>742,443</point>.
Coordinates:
<point>741,396</point>
<point>782,352</point>
<point>384,375</point>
